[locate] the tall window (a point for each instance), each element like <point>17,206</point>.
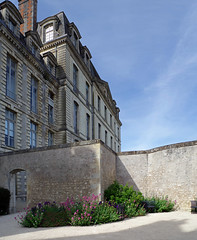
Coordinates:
<point>115,128</point>
<point>118,132</point>
<point>110,120</point>
<point>11,78</point>
<point>75,78</point>
<point>33,135</point>
<point>75,123</point>
<point>34,94</point>
<point>99,104</point>
<point>49,33</point>
<point>88,126</point>
<point>114,146</point>
<point>106,137</point>
<point>105,113</point>
<point>50,138</point>
<point>9,128</point>
<point>111,143</point>
<point>51,108</point>
<point>99,131</point>
<point>87,93</point>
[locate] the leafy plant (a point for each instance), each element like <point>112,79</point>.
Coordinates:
<point>104,213</point>
<point>121,194</point>
<point>162,204</point>
<point>32,218</point>
<point>133,209</point>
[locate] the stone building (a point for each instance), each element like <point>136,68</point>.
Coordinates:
<point>50,92</point>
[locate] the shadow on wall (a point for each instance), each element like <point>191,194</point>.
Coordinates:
<point>123,176</point>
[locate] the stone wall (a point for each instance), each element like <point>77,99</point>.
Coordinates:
<point>85,168</point>
<point>170,170</point>
<point>55,173</point>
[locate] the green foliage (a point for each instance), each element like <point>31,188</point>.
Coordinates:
<point>32,218</point>
<point>4,201</point>
<point>55,216</point>
<point>121,194</point>
<point>133,209</point>
<point>124,202</point>
<point>105,213</point>
<point>161,204</point>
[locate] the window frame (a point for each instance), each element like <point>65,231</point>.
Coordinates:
<point>105,113</point>
<point>75,117</point>
<point>12,24</point>
<point>34,95</point>
<point>106,137</point>
<point>111,142</point>
<point>48,33</point>
<point>99,131</point>
<point>10,121</point>
<point>75,78</point>
<point>87,93</point>
<point>50,138</point>
<point>51,107</point>
<point>33,134</point>
<point>88,126</point>
<point>99,104</point>
<point>11,72</point>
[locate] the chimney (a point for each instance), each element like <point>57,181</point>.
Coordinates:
<point>28,10</point>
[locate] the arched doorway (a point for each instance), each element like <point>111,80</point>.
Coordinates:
<point>18,190</point>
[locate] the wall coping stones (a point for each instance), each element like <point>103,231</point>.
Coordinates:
<point>40,149</point>
<point>170,146</point>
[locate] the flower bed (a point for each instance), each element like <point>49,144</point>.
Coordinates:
<point>121,202</point>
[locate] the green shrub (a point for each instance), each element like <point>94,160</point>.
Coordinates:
<point>4,201</point>
<point>121,194</point>
<point>162,204</point>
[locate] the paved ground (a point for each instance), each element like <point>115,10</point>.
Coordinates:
<point>160,226</point>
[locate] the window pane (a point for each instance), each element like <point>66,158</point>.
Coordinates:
<point>9,128</point>
<point>10,78</point>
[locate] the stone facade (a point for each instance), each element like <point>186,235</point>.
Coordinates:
<point>48,85</point>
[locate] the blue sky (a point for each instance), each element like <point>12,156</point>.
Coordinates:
<point>147,51</point>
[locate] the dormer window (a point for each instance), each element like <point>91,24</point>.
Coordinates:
<point>51,68</point>
<point>87,59</point>
<point>33,49</point>
<point>75,38</point>
<point>49,33</point>
<point>11,25</point>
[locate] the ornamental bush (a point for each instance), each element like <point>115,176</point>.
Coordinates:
<point>82,212</point>
<point>4,201</point>
<point>121,194</point>
<point>162,204</point>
